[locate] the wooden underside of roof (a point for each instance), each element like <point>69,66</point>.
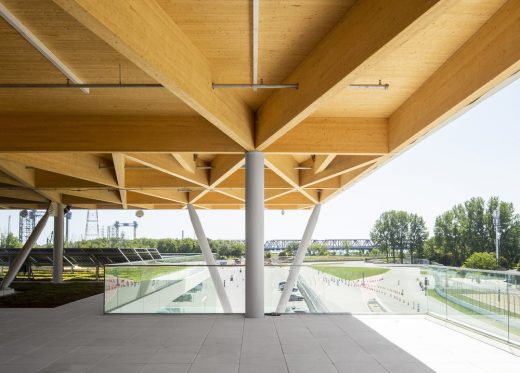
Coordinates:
<point>162,148</point>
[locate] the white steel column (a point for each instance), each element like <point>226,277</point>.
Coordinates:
<point>298,259</point>
<point>57,252</point>
<point>254,234</point>
<point>15,266</point>
<point>209,259</point>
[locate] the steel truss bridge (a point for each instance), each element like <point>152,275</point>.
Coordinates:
<point>361,244</point>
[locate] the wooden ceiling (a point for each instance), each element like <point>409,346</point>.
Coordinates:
<point>161,148</point>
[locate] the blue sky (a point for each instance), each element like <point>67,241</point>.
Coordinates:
<point>477,154</point>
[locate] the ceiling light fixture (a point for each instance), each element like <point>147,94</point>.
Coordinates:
<point>379,86</point>
<point>255,86</point>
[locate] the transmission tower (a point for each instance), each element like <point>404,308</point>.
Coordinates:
<point>92,226</point>
<point>27,222</point>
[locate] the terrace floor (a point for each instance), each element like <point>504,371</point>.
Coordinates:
<point>78,338</point>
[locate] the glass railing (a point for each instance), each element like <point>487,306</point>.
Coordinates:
<point>356,288</point>
<point>486,301</point>
<point>173,289</point>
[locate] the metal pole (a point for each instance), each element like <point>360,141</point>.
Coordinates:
<point>254,86</point>
<point>254,234</point>
<point>298,259</point>
<point>79,85</point>
<point>209,259</point>
<point>15,266</point>
<point>57,252</point>
<point>496,216</point>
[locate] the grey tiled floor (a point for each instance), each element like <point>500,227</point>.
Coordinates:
<point>78,338</point>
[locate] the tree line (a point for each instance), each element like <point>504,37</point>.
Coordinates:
<point>223,248</point>
<point>466,229</point>
<point>315,248</point>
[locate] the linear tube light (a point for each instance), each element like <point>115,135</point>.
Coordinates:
<point>379,86</point>
<point>255,86</point>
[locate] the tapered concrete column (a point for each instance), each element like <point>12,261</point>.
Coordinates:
<point>298,259</point>
<point>210,260</point>
<point>16,264</point>
<point>57,252</point>
<point>254,234</point>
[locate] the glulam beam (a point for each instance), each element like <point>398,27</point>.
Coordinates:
<point>145,34</point>
<point>167,164</point>
<point>488,58</point>
<point>357,42</point>
<point>79,165</point>
<point>340,165</point>
<point>326,136</point>
<point>119,167</point>
<point>52,133</point>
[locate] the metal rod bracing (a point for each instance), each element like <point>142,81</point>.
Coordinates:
<point>137,85</point>
<point>256,86</point>
<point>298,259</point>
<point>82,85</point>
<point>209,259</point>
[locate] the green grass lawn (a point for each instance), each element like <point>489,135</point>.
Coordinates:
<point>351,273</point>
<point>45,274</point>
<point>134,273</point>
<point>34,294</point>
<point>433,294</point>
<point>142,273</point>
<point>333,258</point>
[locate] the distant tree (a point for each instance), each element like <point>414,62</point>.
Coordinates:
<point>449,236</point>
<point>236,249</point>
<point>10,241</point>
<point>509,248</point>
<point>217,246</point>
<point>431,251</point>
<point>477,235</point>
<point>469,228</point>
<point>375,252</point>
<point>319,248</point>
<point>228,248</point>
<point>416,236</point>
<point>291,248</point>
<point>382,236</point>
<point>481,261</point>
<point>397,231</point>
